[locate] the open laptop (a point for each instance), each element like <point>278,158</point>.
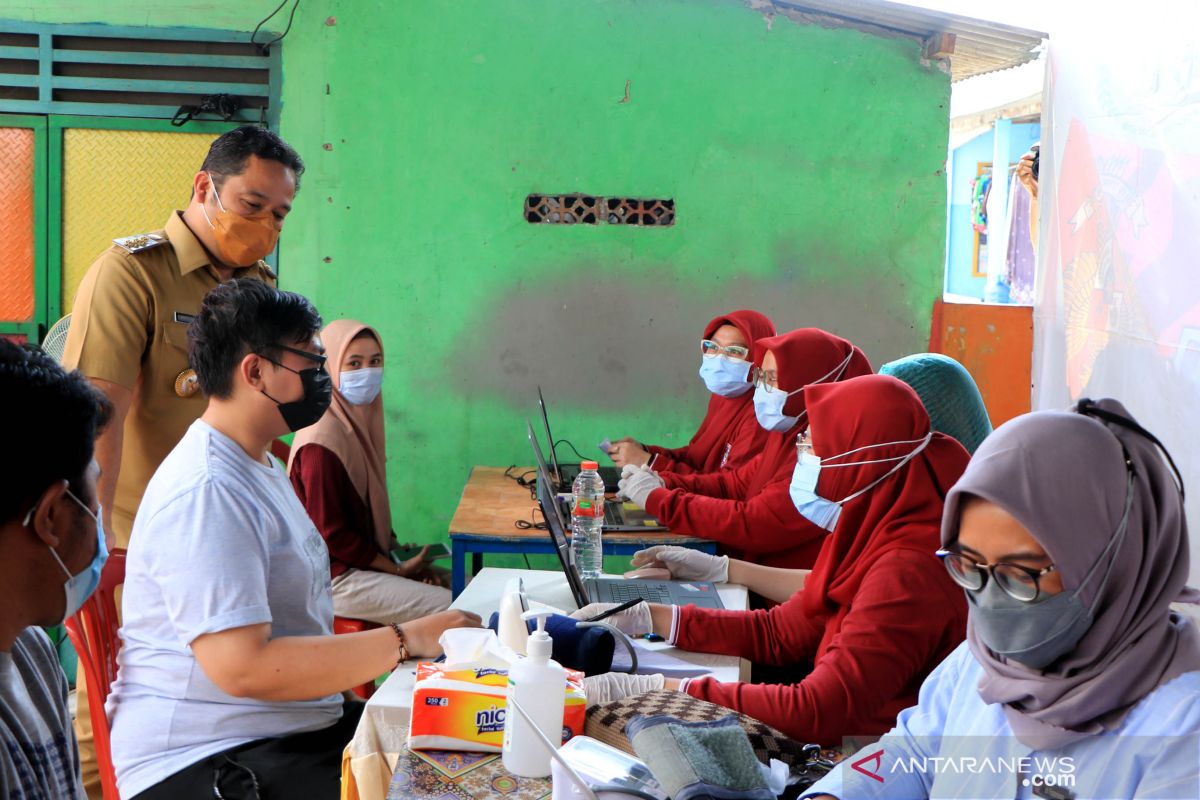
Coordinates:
<point>564,474</point>
<point>619,517</point>
<point>614,590</point>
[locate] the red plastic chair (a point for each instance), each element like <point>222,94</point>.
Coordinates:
<point>347,625</point>
<point>93,631</point>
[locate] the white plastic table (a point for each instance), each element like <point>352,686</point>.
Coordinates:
<point>384,726</point>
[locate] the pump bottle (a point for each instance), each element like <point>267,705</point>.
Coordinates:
<point>539,685</point>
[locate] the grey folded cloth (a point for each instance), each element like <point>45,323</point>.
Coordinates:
<point>699,760</point>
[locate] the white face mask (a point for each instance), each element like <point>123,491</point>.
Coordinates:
<point>360,387</point>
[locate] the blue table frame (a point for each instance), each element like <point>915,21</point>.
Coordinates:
<point>484,523</point>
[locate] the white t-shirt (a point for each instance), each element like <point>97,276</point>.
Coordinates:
<point>220,541</point>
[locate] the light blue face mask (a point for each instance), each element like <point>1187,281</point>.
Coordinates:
<point>768,404</point>
<point>78,588</point>
<point>725,376</point>
<point>360,387</point>
<point>826,513</point>
<point>768,407</point>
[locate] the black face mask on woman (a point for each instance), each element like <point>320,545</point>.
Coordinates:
<point>318,392</point>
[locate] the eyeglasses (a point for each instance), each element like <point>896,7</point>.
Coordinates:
<point>1019,583</point>
<point>318,360</point>
<point>767,379</point>
<point>803,443</point>
<point>710,348</point>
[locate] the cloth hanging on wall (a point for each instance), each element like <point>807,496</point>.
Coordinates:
<point>1021,256</point>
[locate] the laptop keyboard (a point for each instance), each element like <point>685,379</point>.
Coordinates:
<point>623,591</point>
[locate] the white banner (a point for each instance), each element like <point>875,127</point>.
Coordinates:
<point>1117,309</point>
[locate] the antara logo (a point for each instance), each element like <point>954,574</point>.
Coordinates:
<point>877,759</point>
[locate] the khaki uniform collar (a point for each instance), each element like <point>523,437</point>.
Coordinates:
<point>188,250</point>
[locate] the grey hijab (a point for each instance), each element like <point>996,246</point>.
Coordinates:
<point>1063,475</point>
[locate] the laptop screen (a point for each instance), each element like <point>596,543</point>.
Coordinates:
<point>549,438</point>
<point>555,523</point>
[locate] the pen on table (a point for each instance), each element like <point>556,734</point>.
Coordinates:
<point>617,610</point>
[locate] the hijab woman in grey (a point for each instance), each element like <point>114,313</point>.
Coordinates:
<point>1097,495</point>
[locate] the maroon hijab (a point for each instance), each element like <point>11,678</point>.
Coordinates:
<point>901,512</point>
<point>802,357</point>
<point>724,414</point>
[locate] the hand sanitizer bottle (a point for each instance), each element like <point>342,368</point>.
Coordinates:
<point>539,685</point>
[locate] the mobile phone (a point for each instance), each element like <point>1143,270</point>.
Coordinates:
<point>436,550</point>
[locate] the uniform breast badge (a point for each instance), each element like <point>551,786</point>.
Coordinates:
<point>186,383</point>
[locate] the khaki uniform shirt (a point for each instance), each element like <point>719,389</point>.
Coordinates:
<point>129,327</point>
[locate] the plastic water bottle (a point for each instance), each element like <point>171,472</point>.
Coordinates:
<point>587,521</point>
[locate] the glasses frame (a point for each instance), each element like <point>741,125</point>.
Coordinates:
<point>758,377</point>
<point>986,571</point>
<point>735,351</point>
<point>320,360</point>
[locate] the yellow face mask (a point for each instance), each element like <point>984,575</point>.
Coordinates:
<point>242,241</point>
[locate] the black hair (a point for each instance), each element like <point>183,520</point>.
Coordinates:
<point>52,418</point>
<point>228,154</point>
<point>240,317</point>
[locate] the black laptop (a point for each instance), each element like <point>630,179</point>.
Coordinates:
<point>619,517</point>
<point>564,474</point>
<point>614,590</point>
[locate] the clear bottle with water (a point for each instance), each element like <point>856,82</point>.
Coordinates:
<point>587,521</point>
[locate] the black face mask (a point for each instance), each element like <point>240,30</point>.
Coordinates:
<point>318,393</point>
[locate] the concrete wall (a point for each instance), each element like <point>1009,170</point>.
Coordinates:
<point>806,165</point>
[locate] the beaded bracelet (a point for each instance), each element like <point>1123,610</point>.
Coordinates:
<point>404,656</point>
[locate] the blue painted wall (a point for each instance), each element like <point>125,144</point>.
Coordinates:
<point>960,242</point>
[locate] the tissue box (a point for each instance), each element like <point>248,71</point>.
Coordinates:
<point>463,708</point>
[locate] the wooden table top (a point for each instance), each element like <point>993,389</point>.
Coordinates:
<point>491,503</point>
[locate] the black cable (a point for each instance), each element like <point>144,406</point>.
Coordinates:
<point>266,48</point>
<point>573,450</point>
<point>526,525</point>
<point>526,557</point>
<point>523,479</point>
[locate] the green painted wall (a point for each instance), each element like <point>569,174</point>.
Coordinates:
<point>806,165</point>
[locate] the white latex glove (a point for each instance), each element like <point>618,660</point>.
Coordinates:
<point>608,687</point>
<point>631,622</point>
<point>638,484</point>
<point>684,563</point>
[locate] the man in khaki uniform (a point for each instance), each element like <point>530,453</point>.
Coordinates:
<point>128,331</point>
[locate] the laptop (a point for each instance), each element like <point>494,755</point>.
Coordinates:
<point>614,590</point>
<point>564,474</point>
<point>619,517</point>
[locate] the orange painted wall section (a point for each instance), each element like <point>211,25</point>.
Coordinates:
<point>995,344</point>
<point>16,224</point>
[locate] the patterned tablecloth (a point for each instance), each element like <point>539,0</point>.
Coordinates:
<point>453,775</point>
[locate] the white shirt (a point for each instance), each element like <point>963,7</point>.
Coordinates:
<point>220,541</point>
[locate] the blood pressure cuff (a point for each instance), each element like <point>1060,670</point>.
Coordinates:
<point>699,760</point>
<point>585,646</point>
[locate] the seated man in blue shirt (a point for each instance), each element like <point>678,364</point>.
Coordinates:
<point>1068,534</point>
<point>53,552</point>
<point>231,681</point>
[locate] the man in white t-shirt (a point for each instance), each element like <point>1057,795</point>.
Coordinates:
<point>230,678</point>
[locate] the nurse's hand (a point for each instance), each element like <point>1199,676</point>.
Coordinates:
<point>683,563</point>
<point>634,621</point>
<point>628,451</point>
<point>421,635</point>
<point>608,687</point>
<point>637,483</point>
